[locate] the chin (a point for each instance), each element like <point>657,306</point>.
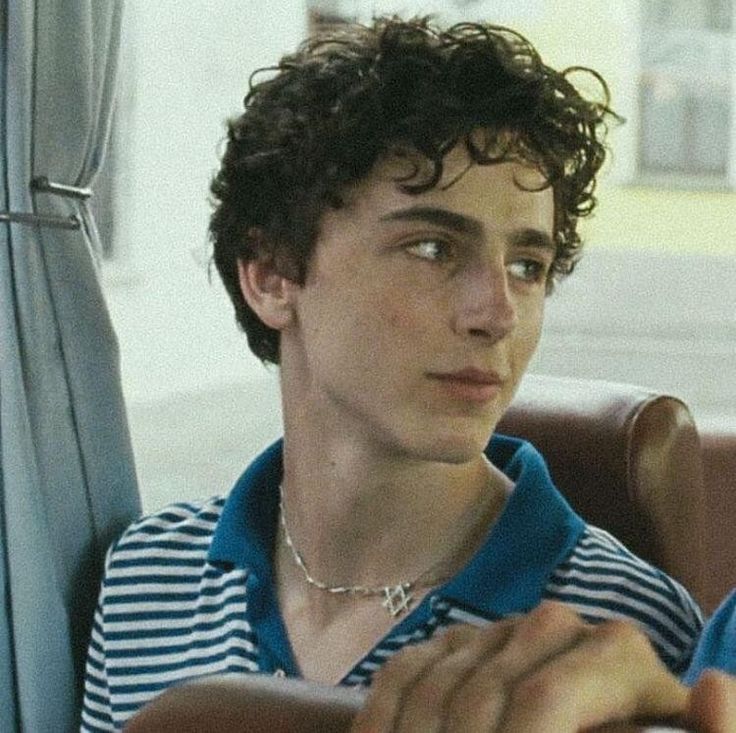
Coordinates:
<point>455,448</point>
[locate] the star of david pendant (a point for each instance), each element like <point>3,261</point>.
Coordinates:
<point>396,599</point>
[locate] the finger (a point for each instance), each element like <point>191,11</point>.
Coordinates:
<point>398,674</point>
<point>479,703</point>
<point>712,707</point>
<point>612,674</point>
<point>424,704</point>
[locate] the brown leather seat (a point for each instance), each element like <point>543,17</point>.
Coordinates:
<point>627,459</point>
<point>719,462</point>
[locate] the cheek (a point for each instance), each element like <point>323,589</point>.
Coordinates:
<point>406,327</point>
<point>418,308</point>
<point>363,329</point>
<point>398,319</point>
<point>391,309</point>
<point>529,332</point>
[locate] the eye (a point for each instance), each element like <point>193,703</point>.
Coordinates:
<point>529,270</point>
<point>435,250</point>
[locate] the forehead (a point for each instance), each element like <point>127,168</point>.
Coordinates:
<point>509,192</point>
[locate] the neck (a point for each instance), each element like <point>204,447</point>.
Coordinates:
<point>358,517</point>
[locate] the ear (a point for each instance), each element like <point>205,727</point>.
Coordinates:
<point>267,292</point>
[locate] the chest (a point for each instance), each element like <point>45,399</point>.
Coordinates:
<point>327,647</point>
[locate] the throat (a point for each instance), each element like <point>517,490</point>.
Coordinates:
<point>396,598</point>
<point>331,632</point>
<point>385,535</point>
<point>344,579</point>
<point>329,639</point>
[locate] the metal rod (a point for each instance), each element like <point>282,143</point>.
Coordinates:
<point>44,220</point>
<point>41,184</point>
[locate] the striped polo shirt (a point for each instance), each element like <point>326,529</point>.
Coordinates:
<point>189,591</point>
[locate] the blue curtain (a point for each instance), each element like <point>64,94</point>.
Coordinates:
<point>67,479</point>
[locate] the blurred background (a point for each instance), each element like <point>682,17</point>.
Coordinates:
<point>652,303</point>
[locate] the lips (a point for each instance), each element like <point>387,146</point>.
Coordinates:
<point>470,384</point>
<point>470,375</point>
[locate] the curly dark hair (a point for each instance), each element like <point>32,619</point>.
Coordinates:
<point>350,95</point>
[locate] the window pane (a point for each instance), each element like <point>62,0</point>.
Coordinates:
<point>663,125</point>
<point>721,15</point>
<point>683,129</point>
<point>686,87</point>
<point>709,145</point>
<point>714,15</point>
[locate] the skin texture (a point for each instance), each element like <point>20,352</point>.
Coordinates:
<point>545,671</point>
<point>712,704</point>
<point>384,474</point>
<point>391,300</point>
<point>404,289</point>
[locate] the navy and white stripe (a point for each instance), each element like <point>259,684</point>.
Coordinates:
<point>603,580</point>
<point>166,614</point>
<point>188,592</point>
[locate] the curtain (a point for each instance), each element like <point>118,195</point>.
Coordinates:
<point>67,479</point>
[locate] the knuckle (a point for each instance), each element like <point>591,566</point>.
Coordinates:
<point>554,613</point>
<point>480,698</point>
<point>623,635</point>
<point>539,691</point>
<point>428,694</point>
<point>406,663</point>
<point>398,666</point>
<point>457,636</point>
<point>547,619</point>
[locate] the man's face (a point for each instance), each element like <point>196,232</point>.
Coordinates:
<point>420,312</point>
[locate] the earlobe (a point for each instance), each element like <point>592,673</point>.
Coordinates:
<point>267,292</point>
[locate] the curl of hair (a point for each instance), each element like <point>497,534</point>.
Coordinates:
<point>348,97</point>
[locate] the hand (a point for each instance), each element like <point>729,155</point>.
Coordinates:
<point>545,671</point>
<point>712,706</point>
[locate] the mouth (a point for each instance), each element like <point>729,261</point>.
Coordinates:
<point>470,384</point>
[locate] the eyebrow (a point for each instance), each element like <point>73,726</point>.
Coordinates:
<point>441,217</point>
<point>526,237</point>
<point>529,237</point>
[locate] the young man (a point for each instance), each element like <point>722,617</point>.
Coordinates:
<point>392,209</point>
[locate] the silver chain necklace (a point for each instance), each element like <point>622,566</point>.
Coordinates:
<point>396,598</point>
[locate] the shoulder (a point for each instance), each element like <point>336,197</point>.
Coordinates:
<point>170,540</point>
<point>184,522</point>
<point>159,572</point>
<point>167,614</point>
<point>602,579</point>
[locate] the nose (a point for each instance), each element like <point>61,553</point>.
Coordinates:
<point>485,306</point>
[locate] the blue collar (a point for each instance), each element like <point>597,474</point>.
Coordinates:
<point>247,527</point>
<point>536,531</point>
<point>533,535</point>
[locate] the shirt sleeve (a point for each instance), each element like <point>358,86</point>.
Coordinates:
<point>717,645</point>
<point>96,708</point>
<point>602,579</point>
